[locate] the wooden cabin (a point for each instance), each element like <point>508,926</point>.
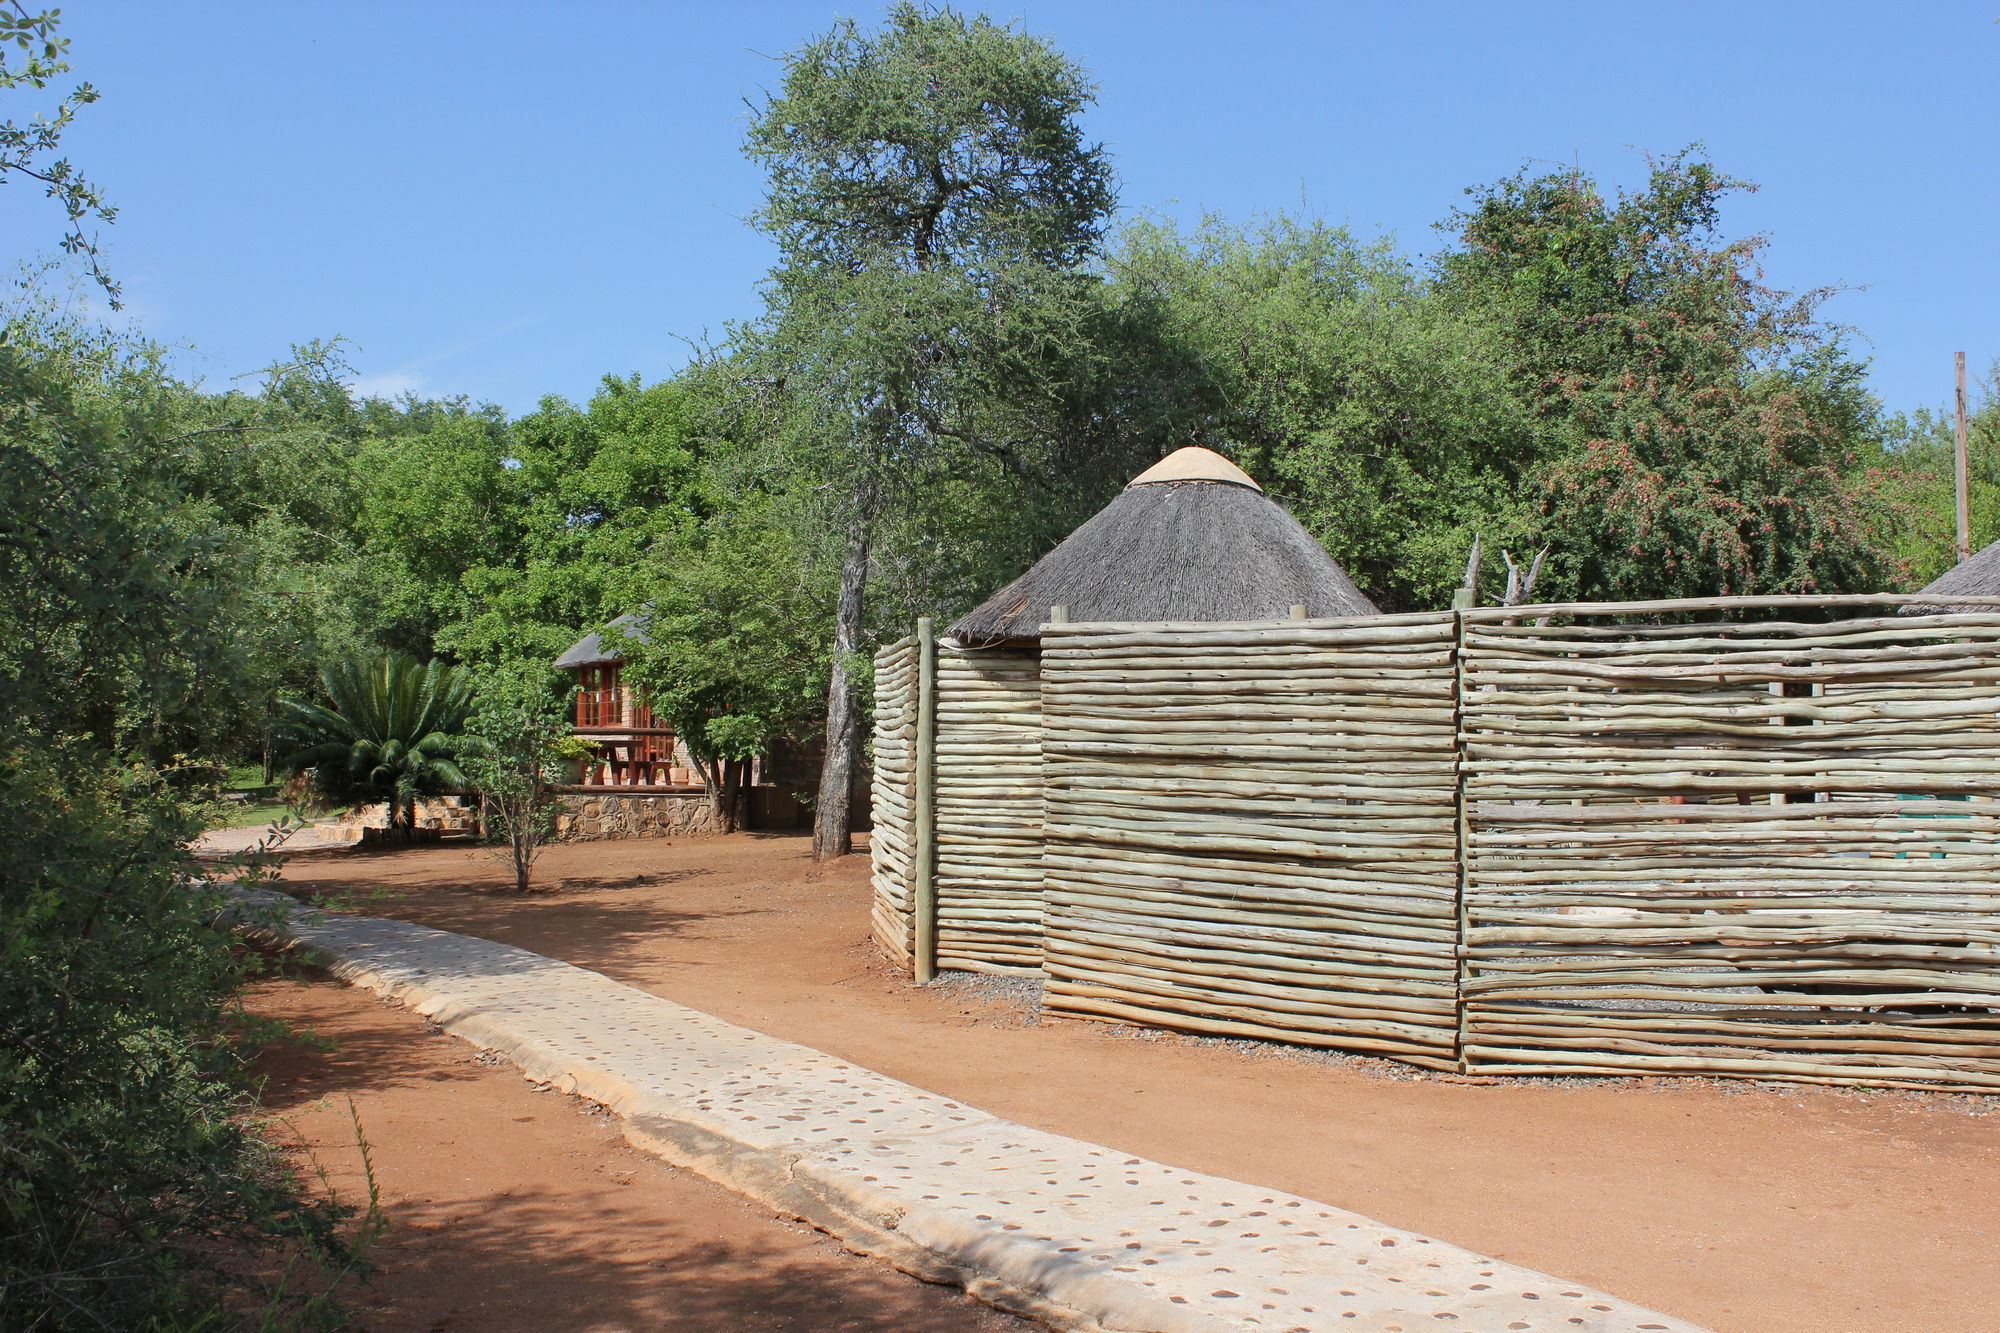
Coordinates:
<point>639,780</point>
<point>632,750</point>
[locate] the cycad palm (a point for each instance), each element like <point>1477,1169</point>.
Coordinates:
<point>391,731</point>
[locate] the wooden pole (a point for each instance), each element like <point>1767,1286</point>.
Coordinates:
<point>1462,831</point>
<point>1959,468</point>
<point>1298,610</point>
<point>1059,614</point>
<point>1467,597</point>
<point>923,888</point>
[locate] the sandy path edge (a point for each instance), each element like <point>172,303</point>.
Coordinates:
<point>1029,1276</point>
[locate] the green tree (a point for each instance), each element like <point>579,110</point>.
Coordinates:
<point>584,496</point>
<point>1380,411</point>
<point>392,730</point>
<point>932,195</point>
<point>1918,459</point>
<point>126,1164</point>
<point>525,741</point>
<point>1694,431</point>
<point>734,654</point>
<point>431,507</point>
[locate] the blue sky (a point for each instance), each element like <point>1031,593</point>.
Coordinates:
<point>509,200</point>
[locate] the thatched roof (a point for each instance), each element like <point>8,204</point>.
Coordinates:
<point>1191,538</point>
<point>591,650</point>
<point>1978,575</point>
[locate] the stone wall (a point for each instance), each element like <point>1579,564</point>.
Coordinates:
<point>589,817</point>
<point>436,816</point>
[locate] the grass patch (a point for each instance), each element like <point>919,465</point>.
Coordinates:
<point>251,814</point>
<point>251,801</point>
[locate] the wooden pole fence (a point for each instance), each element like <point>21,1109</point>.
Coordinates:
<point>1636,841</point>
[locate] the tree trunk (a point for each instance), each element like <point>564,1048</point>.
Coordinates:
<point>831,837</point>
<point>718,780</point>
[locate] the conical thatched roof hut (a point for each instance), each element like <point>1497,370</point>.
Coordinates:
<point>1191,538</point>
<point>1978,575</point>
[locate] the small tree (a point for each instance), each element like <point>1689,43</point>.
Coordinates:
<point>524,740</point>
<point>392,730</point>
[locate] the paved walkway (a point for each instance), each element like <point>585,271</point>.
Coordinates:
<point>230,841</point>
<point>1078,1235</point>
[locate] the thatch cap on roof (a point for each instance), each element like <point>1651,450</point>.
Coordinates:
<point>590,650</point>
<point>1191,538</point>
<point>1978,575</point>
<point>1194,463</point>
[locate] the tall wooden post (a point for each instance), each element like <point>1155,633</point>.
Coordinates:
<point>1960,471</point>
<point>1462,817</point>
<point>923,888</point>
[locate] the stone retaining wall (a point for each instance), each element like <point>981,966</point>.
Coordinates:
<point>588,817</point>
<point>435,815</point>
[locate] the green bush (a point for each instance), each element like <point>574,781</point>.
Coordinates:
<point>134,1188</point>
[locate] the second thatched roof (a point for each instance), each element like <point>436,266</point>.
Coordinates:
<point>1978,575</point>
<point>1191,538</point>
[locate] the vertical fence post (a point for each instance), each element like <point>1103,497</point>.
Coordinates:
<point>1961,485</point>
<point>923,889</point>
<point>1464,823</point>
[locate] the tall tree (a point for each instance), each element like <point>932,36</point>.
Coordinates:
<point>932,194</point>
<point>1697,432</point>
<point>1330,368</point>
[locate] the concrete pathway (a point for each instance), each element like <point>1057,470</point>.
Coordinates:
<point>231,841</point>
<point>1078,1235</point>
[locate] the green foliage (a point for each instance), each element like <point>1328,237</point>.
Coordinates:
<point>129,1178</point>
<point>29,150</point>
<point>392,730</point>
<point>1917,463</point>
<point>1604,379</point>
<point>1694,432</point>
<point>583,497</point>
<point>130,1174</point>
<point>525,743</point>
<point>734,653</point>
<point>430,506</point>
<point>1379,410</point>
<point>939,140</point>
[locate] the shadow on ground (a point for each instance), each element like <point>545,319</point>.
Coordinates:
<point>515,1209</point>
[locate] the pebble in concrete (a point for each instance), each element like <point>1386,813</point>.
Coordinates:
<point>1080,1236</point>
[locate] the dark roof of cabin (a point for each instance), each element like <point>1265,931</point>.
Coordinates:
<point>1191,538</point>
<point>591,650</point>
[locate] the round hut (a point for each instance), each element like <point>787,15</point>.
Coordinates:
<point>1192,538</point>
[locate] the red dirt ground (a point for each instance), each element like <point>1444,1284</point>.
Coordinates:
<point>519,1210</point>
<point>1750,1208</point>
